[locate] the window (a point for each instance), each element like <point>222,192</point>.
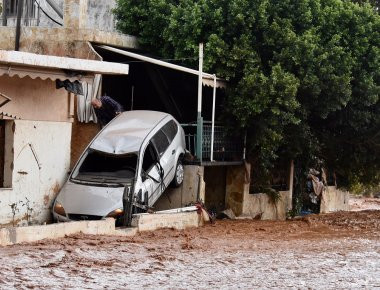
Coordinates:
<point>29,9</point>
<point>149,158</point>
<point>161,142</point>
<point>6,153</point>
<point>107,168</point>
<point>170,129</point>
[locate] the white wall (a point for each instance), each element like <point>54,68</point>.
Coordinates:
<point>51,143</point>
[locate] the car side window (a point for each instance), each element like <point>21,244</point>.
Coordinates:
<point>149,158</point>
<point>170,129</point>
<point>161,142</point>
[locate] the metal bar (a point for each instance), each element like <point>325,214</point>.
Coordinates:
<point>35,156</point>
<point>18,24</point>
<point>245,145</point>
<point>156,61</point>
<point>213,120</point>
<point>5,7</point>
<point>199,107</point>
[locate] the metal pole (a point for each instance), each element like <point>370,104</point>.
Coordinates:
<point>199,110</point>
<point>158,62</point>
<point>18,23</point>
<point>245,145</point>
<point>5,7</point>
<point>213,120</point>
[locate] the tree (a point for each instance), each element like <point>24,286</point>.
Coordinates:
<point>304,76</point>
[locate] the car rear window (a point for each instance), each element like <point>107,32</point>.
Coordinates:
<point>170,129</point>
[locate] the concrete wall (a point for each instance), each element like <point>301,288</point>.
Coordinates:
<point>34,99</point>
<point>334,199</point>
<point>185,194</point>
<point>51,144</point>
<point>257,206</point>
<point>84,21</point>
<point>237,186</point>
<point>100,15</point>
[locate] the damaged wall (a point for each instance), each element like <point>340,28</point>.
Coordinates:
<point>257,206</point>
<point>36,181</point>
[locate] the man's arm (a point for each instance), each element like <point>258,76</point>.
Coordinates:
<point>115,105</point>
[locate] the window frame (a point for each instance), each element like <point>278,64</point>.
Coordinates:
<point>155,146</point>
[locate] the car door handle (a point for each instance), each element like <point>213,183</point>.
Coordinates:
<point>173,152</point>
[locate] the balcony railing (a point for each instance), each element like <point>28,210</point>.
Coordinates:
<point>225,147</point>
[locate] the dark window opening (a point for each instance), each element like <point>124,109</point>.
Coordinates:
<point>150,158</point>
<point>29,9</point>
<point>7,128</point>
<point>161,142</point>
<point>2,151</point>
<point>170,129</point>
<point>109,168</point>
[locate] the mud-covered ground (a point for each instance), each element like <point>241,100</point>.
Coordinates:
<point>340,250</point>
<point>364,203</point>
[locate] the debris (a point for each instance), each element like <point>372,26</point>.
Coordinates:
<point>228,213</point>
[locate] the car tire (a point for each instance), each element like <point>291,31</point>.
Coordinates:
<point>178,174</point>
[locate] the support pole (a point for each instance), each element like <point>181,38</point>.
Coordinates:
<point>213,120</point>
<point>199,111</point>
<point>5,6</point>
<point>18,24</point>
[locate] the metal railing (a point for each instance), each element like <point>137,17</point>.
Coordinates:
<point>225,147</point>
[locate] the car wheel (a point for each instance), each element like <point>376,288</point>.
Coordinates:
<point>178,175</point>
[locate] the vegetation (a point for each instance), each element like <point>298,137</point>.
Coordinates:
<point>304,77</point>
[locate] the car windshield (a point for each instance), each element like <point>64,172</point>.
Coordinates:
<point>100,167</point>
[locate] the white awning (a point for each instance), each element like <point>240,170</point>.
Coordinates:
<point>55,67</point>
<point>208,79</point>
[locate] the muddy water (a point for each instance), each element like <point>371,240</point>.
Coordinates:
<point>339,250</point>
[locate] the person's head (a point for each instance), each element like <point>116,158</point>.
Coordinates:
<point>96,103</point>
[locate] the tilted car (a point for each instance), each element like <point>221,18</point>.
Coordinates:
<point>142,150</point>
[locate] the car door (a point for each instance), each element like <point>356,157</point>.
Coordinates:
<point>170,129</point>
<point>161,143</point>
<point>150,175</point>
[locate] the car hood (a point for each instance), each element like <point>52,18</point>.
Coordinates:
<point>90,200</point>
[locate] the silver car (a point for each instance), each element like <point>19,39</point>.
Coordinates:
<point>138,150</point>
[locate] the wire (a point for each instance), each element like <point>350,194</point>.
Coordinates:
<point>47,15</point>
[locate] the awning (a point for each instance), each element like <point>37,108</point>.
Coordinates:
<point>208,79</point>
<point>55,67</point>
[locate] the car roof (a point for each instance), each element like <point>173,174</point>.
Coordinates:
<point>127,132</point>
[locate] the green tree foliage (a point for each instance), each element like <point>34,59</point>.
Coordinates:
<point>304,76</point>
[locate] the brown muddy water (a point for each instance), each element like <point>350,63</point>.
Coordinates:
<point>330,251</point>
